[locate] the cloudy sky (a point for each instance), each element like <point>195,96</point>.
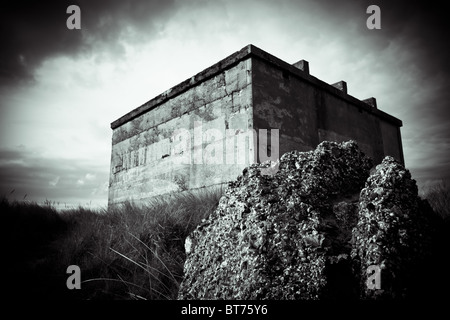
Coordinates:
<point>60,89</point>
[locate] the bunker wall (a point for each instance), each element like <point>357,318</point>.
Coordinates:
<point>308,111</point>
<point>192,139</point>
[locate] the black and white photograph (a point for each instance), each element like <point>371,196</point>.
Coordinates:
<point>247,152</point>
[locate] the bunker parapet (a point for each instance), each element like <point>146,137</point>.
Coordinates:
<point>248,107</point>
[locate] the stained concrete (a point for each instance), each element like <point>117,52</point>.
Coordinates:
<point>205,131</point>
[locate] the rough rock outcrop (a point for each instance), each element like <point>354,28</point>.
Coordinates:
<point>394,231</point>
<point>302,233</point>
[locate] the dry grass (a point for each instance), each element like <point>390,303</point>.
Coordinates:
<point>438,197</point>
<point>129,252</point>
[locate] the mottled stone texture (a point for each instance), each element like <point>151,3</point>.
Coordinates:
<point>222,110</point>
<point>304,233</point>
<point>168,148</point>
<point>394,231</point>
<point>270,237</point>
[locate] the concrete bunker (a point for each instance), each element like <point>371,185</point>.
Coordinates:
<point>206,130</point>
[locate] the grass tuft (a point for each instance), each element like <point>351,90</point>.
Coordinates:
<point>126,252</point>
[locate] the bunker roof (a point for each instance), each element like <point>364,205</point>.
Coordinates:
<point>299,69</point>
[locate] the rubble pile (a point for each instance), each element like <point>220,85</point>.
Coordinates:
<point>309,231</point>
<point>394,230</point>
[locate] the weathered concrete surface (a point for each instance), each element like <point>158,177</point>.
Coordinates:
<point>266,239</point>
<point>205,130</point>
<point>311,231</point>
<point>176,145</point>
<point>310,112</point>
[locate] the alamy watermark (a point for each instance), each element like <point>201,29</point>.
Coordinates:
<point>374,20</point>
<point>229,146</point>
<point>74,280</point>
<point>373,281</point>
<point>74,20</point>
<point>218,142</point>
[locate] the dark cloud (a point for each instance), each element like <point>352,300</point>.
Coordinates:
<point>27,175</point>
<point>31,31</point>
<point>421,26</point>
